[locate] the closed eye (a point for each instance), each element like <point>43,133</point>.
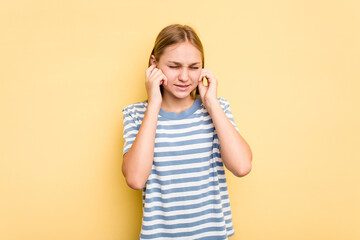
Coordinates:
<point>173,66</point>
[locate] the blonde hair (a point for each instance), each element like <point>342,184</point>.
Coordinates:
<point>174,34</point>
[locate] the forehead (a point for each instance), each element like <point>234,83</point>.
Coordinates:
<point>184,52</point>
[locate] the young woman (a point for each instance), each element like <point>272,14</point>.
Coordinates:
<point>177,143</point>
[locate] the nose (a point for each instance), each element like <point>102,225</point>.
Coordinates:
<point>184,75</point>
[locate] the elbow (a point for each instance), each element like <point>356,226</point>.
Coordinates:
<point>136,185</point>
<point>243,170</point>
<point>133,182</point>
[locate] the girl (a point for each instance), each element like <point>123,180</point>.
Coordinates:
<point>177,143</point>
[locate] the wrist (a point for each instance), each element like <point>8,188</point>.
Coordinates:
<point>154,106</point>
<point>212,105</point>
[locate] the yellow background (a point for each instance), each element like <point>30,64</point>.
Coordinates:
<point>290,70</point>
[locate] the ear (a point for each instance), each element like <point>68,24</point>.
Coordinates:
<point>152,59</point>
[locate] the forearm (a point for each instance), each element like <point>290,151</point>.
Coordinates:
<point>138,160</point>
<point>235,151</point>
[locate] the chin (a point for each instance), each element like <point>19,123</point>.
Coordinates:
<point>182,95</point>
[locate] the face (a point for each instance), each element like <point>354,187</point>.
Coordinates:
<point>181,64</point>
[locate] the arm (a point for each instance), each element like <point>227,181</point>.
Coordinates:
<point>138,160</point>
<point>235,152</point>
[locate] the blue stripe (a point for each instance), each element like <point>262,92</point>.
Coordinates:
<point>186,134</point>
<point>187,161</point>
<point>224,205</point>
<point>180,180</point>
<point>183,225</point>
<point>131,136</point>
<point>187,152</point>
<point>182,198</point>
<point>192,116</point>
<point>224,197</point>
<point>230,229</point>
<point>183,216</point>
<point>135,108</point>
<point>183,152</point>
<point>182,207</point>
<point>189,170</point>
<point>219,164</point>
<point>127,145</point>
<point>223,189</point>
<point>183,234</point>
<point>212,238</point>
<point>185,125</point>
<point>132,129</point>
<point>228,221</point>
<point>185,180</point>
<point>182,189</point>
<point>185,142</point>
<point>227,213</point>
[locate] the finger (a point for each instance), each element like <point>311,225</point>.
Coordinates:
<point>150,69</point>
<point>204,71</point>
<point>159,79</point>
<point>205,74</point>
<point>151,73</point>
<point>209,77</point>
<point>155,73</point>
<point>202,75</point>
<point>201,84</point>
<point>165,82</point>
<point>159,73</point>
<point>202,89</point>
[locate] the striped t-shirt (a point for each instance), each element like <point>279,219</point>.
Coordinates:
<point>185,196</point>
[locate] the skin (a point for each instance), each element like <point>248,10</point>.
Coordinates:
<point>179,71</point>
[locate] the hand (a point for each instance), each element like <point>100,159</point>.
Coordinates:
<point>208,93</point>
<point>154,78</point>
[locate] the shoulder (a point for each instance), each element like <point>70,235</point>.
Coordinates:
<point>224,103</point>
<point>138,106</point>
<point>135,110</point>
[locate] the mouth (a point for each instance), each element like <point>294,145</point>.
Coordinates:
<point>182,87</point>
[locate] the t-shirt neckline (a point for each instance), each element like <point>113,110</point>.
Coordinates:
<point>172,115</point>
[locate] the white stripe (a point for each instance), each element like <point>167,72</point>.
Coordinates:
<point>188,211</point>
<point>184,157</point>
<point>130,125</point>
<point>184,220</point>
<point>185,147</point>
<point>183,167</point>
<point>181,230</point>
<point>180,185</point>
<point>210,234</point>
<point>187,193</point>
<point>185,121</point>
<point>185,130</point>
<point>183,203</point>
<point>182,176</point>
<point>177,139</point>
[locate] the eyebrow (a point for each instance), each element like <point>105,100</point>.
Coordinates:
<point>177,63</point>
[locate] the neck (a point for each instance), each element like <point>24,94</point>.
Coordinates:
<point>176,105</point>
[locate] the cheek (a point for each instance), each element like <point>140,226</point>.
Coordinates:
<point>195,75</point>
<point>170,75</point>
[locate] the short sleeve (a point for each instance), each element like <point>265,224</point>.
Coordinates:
<point>226,108</point>
<point>131,124</point>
